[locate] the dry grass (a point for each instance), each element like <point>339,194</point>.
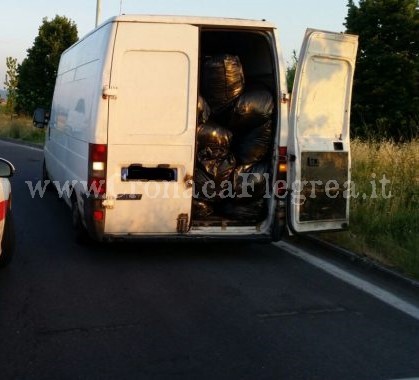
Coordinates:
<point>385,227</point>
<point>20,128</point>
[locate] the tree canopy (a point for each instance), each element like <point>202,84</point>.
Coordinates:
<point>291,69</point>
<point>38,71</point>
<point>386,86</point>
<point>11,82</point>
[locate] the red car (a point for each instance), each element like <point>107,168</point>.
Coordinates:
<point>7,233</point>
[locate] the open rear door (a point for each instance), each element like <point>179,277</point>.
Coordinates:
<point>319,150</point>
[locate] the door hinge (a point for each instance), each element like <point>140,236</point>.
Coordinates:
<point>109,92</point>
<point>292,157</point>
<point>285,97</point>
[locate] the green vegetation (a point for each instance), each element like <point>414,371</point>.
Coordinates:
<point>385,228</point>
<point>19,128</point>
<point>291,69</point>
<point>386,87</point>
<point>11,82</point>
<point>38,70</point>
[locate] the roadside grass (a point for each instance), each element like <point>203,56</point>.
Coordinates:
<point>20,128</point>
<point>385,228</point>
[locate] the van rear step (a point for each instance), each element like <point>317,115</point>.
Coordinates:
<point>221,222</point>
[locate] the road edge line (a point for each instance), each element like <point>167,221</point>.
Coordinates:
<point>357,282</point>
<point>365,260</point>
<point>23,144</point>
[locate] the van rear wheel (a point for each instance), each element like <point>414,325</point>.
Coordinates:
<point>45,177</point>
<point>81,234</point>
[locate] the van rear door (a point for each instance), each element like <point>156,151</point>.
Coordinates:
<point>151,130</point>
<point>319,150</point>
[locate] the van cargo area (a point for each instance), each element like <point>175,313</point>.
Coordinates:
<point>236,128</point>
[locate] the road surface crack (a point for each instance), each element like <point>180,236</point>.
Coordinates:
<point>290,313</point>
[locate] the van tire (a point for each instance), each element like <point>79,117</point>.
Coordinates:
<point>8,241</point>
<point>46,177</point>
<point>81,234</point>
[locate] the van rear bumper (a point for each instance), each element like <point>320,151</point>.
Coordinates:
<point>190,238</point>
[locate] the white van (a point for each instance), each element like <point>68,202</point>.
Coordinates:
<point>124,118</point>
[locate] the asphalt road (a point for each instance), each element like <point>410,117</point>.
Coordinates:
<point>158,311</point>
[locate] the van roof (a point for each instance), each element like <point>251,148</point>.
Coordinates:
<point>193,20</point>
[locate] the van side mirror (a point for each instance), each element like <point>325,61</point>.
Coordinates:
<point>6,168</point>
<point>40,118</point>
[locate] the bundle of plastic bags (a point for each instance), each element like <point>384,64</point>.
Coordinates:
<point>252,109</point>
<point>250,181</point>
<point>210,176</point>
<point>204,111</point>
<point>222,80</point>
<point>234,137</point>
<point>254,145</point>
<point>213,141</point>
<point>202,209</point>
<point>252,212</point>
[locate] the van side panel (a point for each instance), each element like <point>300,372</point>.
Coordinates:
<point>79,114</point>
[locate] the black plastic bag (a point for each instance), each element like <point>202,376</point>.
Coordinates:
<point>213,141</point>
<point>201,178</point>
<point>254,145</point>
<point>253,212</point>
<point>204,110</point>
<point>210,175</point>
<point>250,181</point>
<point>220,169</point>
<point>201,209</point>
<point>222,80</point>
<point>252,109</point>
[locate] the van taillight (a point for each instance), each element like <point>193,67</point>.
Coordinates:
<point>97,168</point>
<point>98,215</point>
<point>282,171</point>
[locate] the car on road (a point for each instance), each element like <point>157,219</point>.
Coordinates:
<point>7,233</point>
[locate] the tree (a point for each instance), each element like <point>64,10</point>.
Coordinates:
<point>386,85</point>
<point>11,83</point>
<point>38,71</point>
<point>291,71</point>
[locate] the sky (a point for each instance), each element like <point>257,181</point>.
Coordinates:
<point>20,19</point>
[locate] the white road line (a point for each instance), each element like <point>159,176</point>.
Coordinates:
<point>21,145</point>
<point>373,290</point>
